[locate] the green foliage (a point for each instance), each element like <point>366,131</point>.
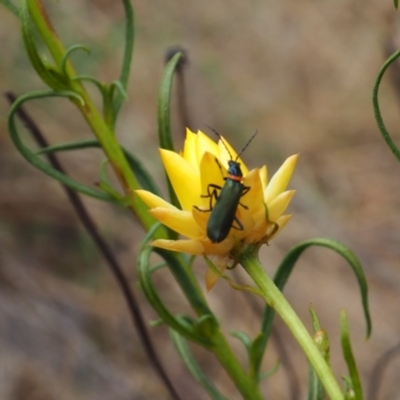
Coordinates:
<point>164,118</point>
<point>188,358</point>
<point>355,387</point>
<point>378,116</point>
<point>144,178</point>
<point>10,6</point>
<point>315,388</point>
<point>285,269</point>
<point>35,159</point>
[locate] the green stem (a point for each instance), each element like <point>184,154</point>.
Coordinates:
<point>116,158</point>
<point>46,31</point>
<point>247,386</point>
<point>275,299</point>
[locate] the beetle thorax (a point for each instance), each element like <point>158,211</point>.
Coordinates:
<point>234,170</point>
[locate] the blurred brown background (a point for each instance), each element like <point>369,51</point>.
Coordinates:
<point>301,72</point>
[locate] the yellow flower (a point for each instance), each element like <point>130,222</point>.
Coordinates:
<point>202,163</point>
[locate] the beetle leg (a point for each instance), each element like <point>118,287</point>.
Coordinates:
<point>212,194</point>
<point>240,225</point>
<point>245,190</point>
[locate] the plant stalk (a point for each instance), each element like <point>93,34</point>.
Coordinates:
<point>275,299</point>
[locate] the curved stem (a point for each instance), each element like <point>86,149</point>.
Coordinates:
<point>275,299</point>
<point>128,54</point>
<point>378,116</point>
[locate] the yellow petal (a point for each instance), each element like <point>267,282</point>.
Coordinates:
<point>227,152</point>
<point>194,247</point>
<point>211,279</point>
<point>278,206</point>
<point>281,221</point>
<point>221,248</point>
<point>201,219</point>
<point>220,264</point>
<point>179,221</point>
<point>258,231</point>
<point>205,144</point>
<point>281,179</point>
<point>246,220</point>
<point>184,178</point>
<point>264,176</point>
<point>152,200</point>
<point>254,198</point>
<point>211,174</point>
<point>189,152</point>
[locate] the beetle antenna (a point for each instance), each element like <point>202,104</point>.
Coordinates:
<point>247,144</point>
<point>222,140</point>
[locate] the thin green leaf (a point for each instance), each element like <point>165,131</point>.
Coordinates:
<point>206,325</point>
<point>118,85</point>
<point>315,388</point>
<point>35,160</point>
<point>257,349</point>
<point>106,186</point>
<point>378,116</point>
<point>185,353</point>
<point>271,372</point>
<point>10,6</point>
<point>181,325</point>
<point>164,103</point>
<point>190,259</point>
<point>186,279</point>
<point>106,94</point>
<point>143,176</point>
<point>164,118</point>
<point>348,389</point>
<point>285,269</point>
<point>315,320</point>
<point>156,323</point>
<point>68,54</point>
<point>158,266</point>
<point>70,146</point>
<point>396,4</point>
<point>252,348</point>
<point>88,78</point>
<point>150,233</point>
<point>109,102</point>
<point>348,356</point>
<point>127,58</point>
<point>244,338</point>
<point>48,73</point>
<point>293,255</point>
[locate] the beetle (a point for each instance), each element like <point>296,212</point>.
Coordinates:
<point>223,213</point>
